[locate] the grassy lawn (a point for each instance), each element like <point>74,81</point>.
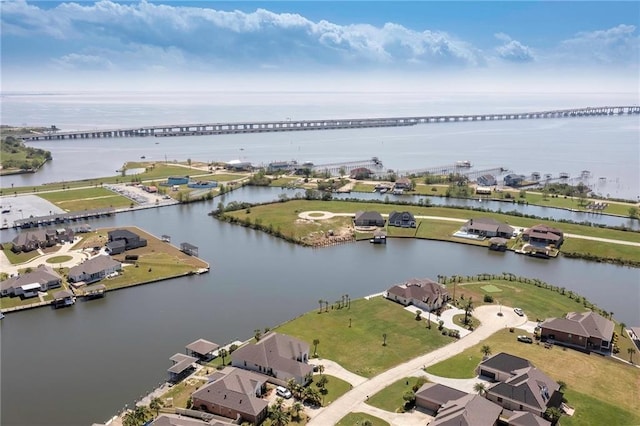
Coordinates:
<point>181,392</point>
<point>285,182</point>
<point>394,231</point>
<point>59,259</point>
<point>435,190</point>
<point>601,249</point>
<point>84,199</point>
<point>390,398</point>
<point>606,381</point>
<point>16,258</point>
<point>12,302</point>
<point>459,320</point>
<point>356,419</point>
<point>359,348</point>
<point>335,388</point>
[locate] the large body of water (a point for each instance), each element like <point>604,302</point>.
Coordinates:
<point>85,363</point>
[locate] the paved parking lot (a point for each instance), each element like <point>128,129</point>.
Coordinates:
<point>24,206</point>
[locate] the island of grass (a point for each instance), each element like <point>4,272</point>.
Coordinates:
<point>283,219</point>
<point>17,158</point>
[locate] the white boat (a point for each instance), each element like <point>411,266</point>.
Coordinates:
<point>463,163</point>
<point>1,315</point>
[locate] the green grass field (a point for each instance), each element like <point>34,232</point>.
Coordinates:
<point>335,388</point>
<point>59,259</point>
<point>358,419</point>
<point>490,288</point>
<point>85,199</point>
<point>390,398</point>
<point>359,348</point>
<point>595,384</point>
<point>17,258</point>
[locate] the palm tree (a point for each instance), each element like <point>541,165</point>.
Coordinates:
<point>553,414</point>
<point>622,327</point>
<point>296,408</point>
<point>278,416</point>
<point>480,388</point>
<point>320,302</point>
<point>316,342</point>
<point>468,308</point>
<point>384,339</point>
<point>631,351</point>
<point>486,350</point>
<point>562,386</point>
<point>155,405</point>
<point>418,313</point>
<point>223,353</point>
<point>257,334</point>
<point>320,368</point>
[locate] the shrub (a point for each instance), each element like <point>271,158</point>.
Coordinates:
<point>488,298</point>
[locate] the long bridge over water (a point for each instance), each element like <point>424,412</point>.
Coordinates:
<point>302,125</point>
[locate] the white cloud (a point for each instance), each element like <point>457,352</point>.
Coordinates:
<point>619,44</point>
<point>513,50</point>
<point>84,62</point>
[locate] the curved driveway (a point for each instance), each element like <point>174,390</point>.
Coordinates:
<point>491,322</point>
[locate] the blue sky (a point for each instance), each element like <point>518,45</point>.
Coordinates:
<point>216,45</point>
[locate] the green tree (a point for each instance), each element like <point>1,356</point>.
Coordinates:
<point>320,302</point>
<point>631,351</point>
<point>312,395</point>
<point>296,408</point>
<point>562,386</point>
<point>316,342</point>
<point>480,388</point>
<point>322,381</point>
<point>409,398</point>
<point>468,308</point>
<point>633,212</point>
<point>156,404</point>
<point>277,414</point>
<point>486,350</point>
<point>384,339</point>
<point>622,327</point>
<point>418,313</point>
<point>223,353</point>
<point>553,414</point>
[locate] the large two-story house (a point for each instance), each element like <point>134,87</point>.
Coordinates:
<point>582,330</point>
<point>27,285</point>
<point>421,293</point>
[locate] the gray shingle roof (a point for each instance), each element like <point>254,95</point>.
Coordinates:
<point>235,390</point>
<point>94,265</point>
<point>202,346</point>
<point>526,418</point>
<point>182,362</point>
<point>439,394</point>
<point>41,275</point>
<point>469,410</point>
<point>505,362</point>
<point>586,324</point>
<point>528,386</point>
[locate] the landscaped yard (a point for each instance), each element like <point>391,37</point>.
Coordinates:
<point>181,392</point>
<point>359,348</point>
<point>16,258</point>
<point>355,419</point>
<point>335,388</point>
<point>390,398</point>
<point>595,384</point>
<point>85,199</point>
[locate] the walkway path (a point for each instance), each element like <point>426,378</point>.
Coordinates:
<point>332,368</point>
<point>77,256</point>
<point>349,402</point>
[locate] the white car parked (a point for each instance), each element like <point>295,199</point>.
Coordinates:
<point>283,392</point>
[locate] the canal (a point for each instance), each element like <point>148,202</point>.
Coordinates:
<point>85,363</point>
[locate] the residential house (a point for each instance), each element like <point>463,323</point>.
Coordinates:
<point>182,366</point>
<point>403,183</point>
<point>360,173</point>
<point>421,293</point>
<point>543,235</point>
<point>233,393</point>
<point>468,410</point>
<point>280,166</point>
<point>202,349</point>
<point>368,218</point>
<point>179,420</point>
<point>526,418</point>
<point>432,396</point>
<point>42,278</point>
<point>501,366</point>
<point>586,330</point>
<point>488,227</point>
<point>63,298</point>
<point>487,180</point>
<point>497,244</point>
<point>402,219</point>
<point>94,269</point>
<point>32,240</point>
<point>513,179</point>
<point>121,240</point>
<point>277,355</point>
<point>529,389</point>
<point>237,165</point>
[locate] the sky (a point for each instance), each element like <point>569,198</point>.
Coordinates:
<point>320,45</point>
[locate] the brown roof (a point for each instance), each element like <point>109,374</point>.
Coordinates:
<point>488,224</point>
<point>528,386</point>
<point>420,289</point>
<point>526,418</point>
<point>62,294</point>
<point>469,410</point>
<point>235,390</point>
<point>586,324</point>
<point>41,275</point>
<point>166,420</point>
<point>438,394</point>
<point>278,352</point>
<point>202,347</point>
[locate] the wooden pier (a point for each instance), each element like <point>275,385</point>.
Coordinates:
<point>200,129</point>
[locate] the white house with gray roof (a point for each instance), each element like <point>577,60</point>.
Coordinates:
<point>94,269</point>
<point>277,355</point>
<point>42,278</point>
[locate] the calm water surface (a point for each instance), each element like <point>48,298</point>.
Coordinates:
<point>99,355</point>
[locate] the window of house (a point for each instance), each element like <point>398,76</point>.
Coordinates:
<point>499,399</point>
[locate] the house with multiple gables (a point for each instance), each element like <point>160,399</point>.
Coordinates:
<point>587,331</point>
<point>403,183</point>
<point>41,238</point>
<point>487,180</point>
<point>234,393</point>
<point>487,227</point>
<point>277,355</point>
<point>519,385</point>
<point>360,173</point>
<point>368,218</point>
<point>180,420</point>
<point>543,235</point>
<point>513,179</point>
<point>94,269</point>
<point>422,293</point>
<point>27,285</point>
<point>402,219</point>
<point>121,240</point>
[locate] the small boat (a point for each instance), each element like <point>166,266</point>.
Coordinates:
<point>464,163</point>
<point>1,315</point>
<point>143,157</point>
<point>157,143</point>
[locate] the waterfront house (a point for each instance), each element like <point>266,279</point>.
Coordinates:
<point>543,235</point>
<point>280,166</point>
<point>501,366</point>
<point>179,420</point>
<point>497,244</point>
<point>368,218</point>
<point>513,179</point>
<point>487,180</point>
<point>587,331</point>
<point>360,173</point>
<point>233,393</point>
<point>94,269</point>
<point>239,166</point>
<point>432,396</point>
<point>529,389</point>
<point>421,293</point>
<point>277,355</point>
<point>63,298</point>
<point>487,227</point>
<point>402,219</point>
<point>121,240</point>
<point>202,349</point>
<point>403,183</point>
<point>32,240</point>
<point>182,366</point>
<point>468,410</point>
<point>27,285</point>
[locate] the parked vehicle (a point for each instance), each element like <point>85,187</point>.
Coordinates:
<point>283,392</point>
<point>525,339</point>
<point>519,311</point>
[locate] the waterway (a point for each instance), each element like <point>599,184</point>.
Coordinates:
<point>92,359</point>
